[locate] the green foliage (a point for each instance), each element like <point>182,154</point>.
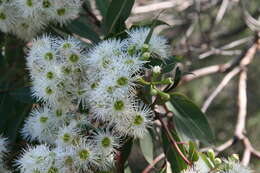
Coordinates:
<point>147,147</point>
<point>118,11</point>
<point>190,122</point>
<point>83,29</point>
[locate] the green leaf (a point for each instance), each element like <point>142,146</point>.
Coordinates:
<point>170,63</point>
<point>102,6</point>
<point>83,29</point>
<point>146,145</point>
<point>23,95</point>
<point>190,122</point>
<point>155,23</point>
<point>12,114</point>
<point>149,24</point>
<point>177,163</point>
<point>193,154</point>
<point>118,12</point>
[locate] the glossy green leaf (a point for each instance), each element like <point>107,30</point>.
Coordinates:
<point>146,145</point>
<point>118,12</point>
<point>23,95</point>
<point>190,122</point>
<point>83,29</point>
<point>177,163</point>
<point>102,6</point>
<point>154,24</point>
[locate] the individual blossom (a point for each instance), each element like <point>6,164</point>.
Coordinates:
<point>39,127</point>
<point>85,155</point>
<point>36,159</point>
<point>157,44</point>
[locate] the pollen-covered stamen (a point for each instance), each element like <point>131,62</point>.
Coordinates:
<point>106,142</point>
<point>69,161</point>
<point>83,154</point>
<point>119,105</point>
<point>138,120</point>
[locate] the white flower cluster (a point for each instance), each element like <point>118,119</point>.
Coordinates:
<point>3,151</point>
<point>227,166</point>
<point>26,18</point>
<point>89,102</point>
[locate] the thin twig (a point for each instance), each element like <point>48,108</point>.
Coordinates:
<point>172,140</point>
<point>155,161</point>
<point>219,88</point>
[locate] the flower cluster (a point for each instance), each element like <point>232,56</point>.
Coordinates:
<point>26,18</point>
<point>3,151</point>
<point>230,165</point>
<point>89,101</point>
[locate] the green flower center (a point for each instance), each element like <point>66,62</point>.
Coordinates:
<point>74,58</point>
<point>106,142</point>
<point>2,16</point>
<point>81,92</point>
<point>66,137</point>
<point>129,61</point>
<point>110,89</point>
<point>61,11</point>
<point>69,161</point>
<point>48,90</point>
<point>138,120</point>
<point>46,4</point>
<point>122,81</point>
<point>43,119</point>
<point>83,154</point>
<point>58,113</point>
<point>94,85</point>
<point>53,170</point>
<point>36,171</point>
<point>48,56</point>
<point>119,105</point>
<point>66,46</point>
<point>105,62</point>
<point>29,3</point>
<point>49,75</point>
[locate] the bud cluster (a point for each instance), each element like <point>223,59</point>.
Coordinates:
<point>26,18</point>
<point>210,163</point>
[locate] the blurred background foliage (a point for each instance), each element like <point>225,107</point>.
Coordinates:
<point>198,34</point>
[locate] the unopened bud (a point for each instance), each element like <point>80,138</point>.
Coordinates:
<point>145,48</point>
<point>211,154</point>
<point>235,157</point>
<point>217,161</point>
<point>157,69</point>
<point>146,56</point>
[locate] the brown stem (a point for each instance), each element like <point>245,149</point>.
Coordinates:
<point>172,140</point>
